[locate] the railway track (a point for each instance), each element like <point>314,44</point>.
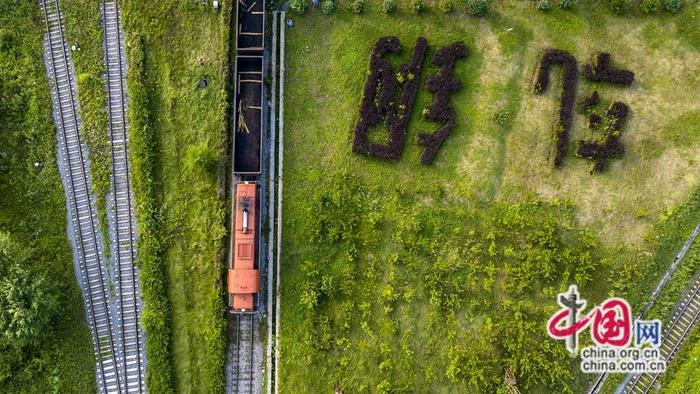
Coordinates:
<point>244,361</point>
<point>83,222</point>
<point>676,331</point>
<point>122,218</point>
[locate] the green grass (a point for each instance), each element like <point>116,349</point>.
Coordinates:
<point>179,199</point>
<point>637,214</point>
<point>683,378</point>
<point>32,210</point>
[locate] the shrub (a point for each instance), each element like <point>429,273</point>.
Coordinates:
<point>550,58</point>
<point>157,311</point>
<point>389,6</point>
<point>447,6</point>
<point>566,4</point>
<point>477,8</point>
<point>417,6</point>
<point>328,7</point>
<point>298,6</point>
<point>619,7</point>
<point>650,6</point>
<point>378,101</point>
<point>588,102</point>
<point>602,71</point>
<point>673,6</point>
<point>441,86</point>
<point>358,6</point>
<point>544,5</point>
<point>601,153</point>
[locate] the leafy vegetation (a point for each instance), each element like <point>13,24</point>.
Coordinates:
<point>385,293</point>
<point>28,301</point>
<point>477,8</point>
<point>417,6</point>
<point>358,6</point>
<point>673,6</point>
<point>474,279</point>
<point>389,6</point>
<point>298,6</point>
<point>157,311</point>
<point>328,7</point>
<point>178,132</point>
<point>45,343</point>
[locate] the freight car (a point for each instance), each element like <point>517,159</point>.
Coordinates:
<point>250,15</point>
<point>244,269</point>
<point>248,119</point>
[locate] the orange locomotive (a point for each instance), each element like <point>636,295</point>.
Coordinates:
<point>244,273</point>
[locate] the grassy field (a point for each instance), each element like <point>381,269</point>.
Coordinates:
<point>178,135</point>
<point>33,212</point>
<point>373,326</point>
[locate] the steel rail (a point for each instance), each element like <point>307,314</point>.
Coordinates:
<point>117,119</point>
<point>73,195</point>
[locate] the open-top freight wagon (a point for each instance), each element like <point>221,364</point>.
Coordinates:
<point>248,119</point>
<point>250,15</point>
<point>244,268</point>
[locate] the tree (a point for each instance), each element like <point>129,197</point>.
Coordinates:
<point>28,301</point>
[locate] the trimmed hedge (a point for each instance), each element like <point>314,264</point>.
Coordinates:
<point>589,102</point>
<point>611,147</point>
<point>157,315</point>
<point>379,98</point>
<point>602,71</point>
<point>552,57</point>
<point>441,86</point>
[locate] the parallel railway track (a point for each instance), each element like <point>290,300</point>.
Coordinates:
<point>244,362</point>
<point>123,222</point>
<point>676,331</point>
<point>84,226</point>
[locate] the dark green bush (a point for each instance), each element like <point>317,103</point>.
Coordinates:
<point>358,6</point>
<point>673,6</point>
<point>650,6</point>
<point>447,6</point>
<point>544,5</point>
<point>328,7</point>
<point>298,6</point>
<point>417,6</point>
<point>389,6</point>
<point>477,8</point>
<point>619,7</point>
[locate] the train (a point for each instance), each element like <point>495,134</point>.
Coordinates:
<point>244,267</point>
<point>244,262</point>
